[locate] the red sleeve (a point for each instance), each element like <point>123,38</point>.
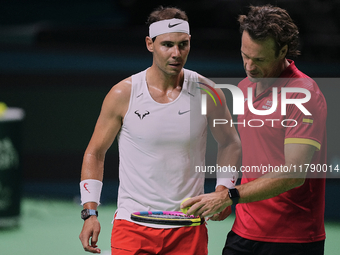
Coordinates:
<point>310,129</point>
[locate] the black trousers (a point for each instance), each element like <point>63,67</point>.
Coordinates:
<point>236,245</point>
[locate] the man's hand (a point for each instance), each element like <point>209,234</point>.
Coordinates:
<point>208,205</point>
<point>91,230</point>
<point>222,215</point>
<point>225,213</point>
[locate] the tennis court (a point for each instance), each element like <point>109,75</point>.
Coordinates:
<point>59,59</point>
<point>52,227</point>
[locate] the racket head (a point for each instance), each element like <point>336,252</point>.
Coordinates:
<point>172,218</point>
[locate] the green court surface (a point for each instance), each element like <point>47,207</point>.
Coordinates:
<point>52,227</point>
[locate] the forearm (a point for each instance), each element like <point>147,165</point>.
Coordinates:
<point>93,166</point>
<point>276,183</point>
<point>92,172</point>
<point>229,155</point>
<point>265,187</point>
<point>228,158</point>
<point>90,205</point>
<point>268,186</point>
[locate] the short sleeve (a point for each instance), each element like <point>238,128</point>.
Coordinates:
<point>309,129</point>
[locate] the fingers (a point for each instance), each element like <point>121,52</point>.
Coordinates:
<point>92,249</point>
<point>94,240</point>
<point>207,213</point>
<point>195,209</point>
<point>200,209</point>
<point>190,202</point>
<point>222,215</point>
<point>215,217</point>
<point>208,204</point>
<point>195,205</point>
<point>87,247</point>
<point>227,211</point>
<point>90,232</point>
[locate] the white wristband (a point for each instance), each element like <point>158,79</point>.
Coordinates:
<point>90,191</point>
<point>227,178</point>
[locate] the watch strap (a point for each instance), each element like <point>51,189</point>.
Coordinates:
<point>86,213</point>
<point>234,195</point>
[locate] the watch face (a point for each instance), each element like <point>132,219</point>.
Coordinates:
<point>84,214</point>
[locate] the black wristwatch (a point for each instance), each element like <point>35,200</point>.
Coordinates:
<point>86,213</point>
<point>234,195</point>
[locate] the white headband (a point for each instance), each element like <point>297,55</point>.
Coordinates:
<point>168,26</point>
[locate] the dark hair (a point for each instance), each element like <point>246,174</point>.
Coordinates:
<point>162,13</point>
<point>269,21</point>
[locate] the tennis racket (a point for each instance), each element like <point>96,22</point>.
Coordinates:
<point>167,218</point>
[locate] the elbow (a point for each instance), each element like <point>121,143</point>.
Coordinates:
<point>237,147</point>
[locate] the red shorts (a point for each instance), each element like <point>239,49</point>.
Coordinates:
<point>129,238</point>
